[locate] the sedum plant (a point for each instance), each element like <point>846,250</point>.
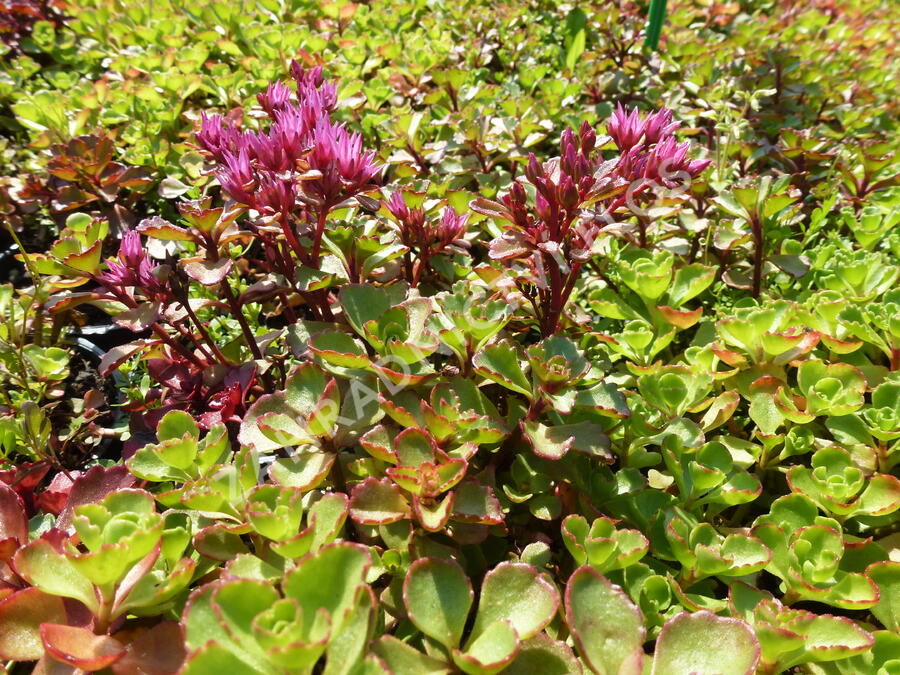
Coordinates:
<point>437,347</point>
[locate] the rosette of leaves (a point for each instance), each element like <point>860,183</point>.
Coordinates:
<point>194,472</point>
<point>708,476</point>
<point>467,319</point>
<point>653,292</point>
<point>667,395</point>
<point>833,389</point>
<point>882,417</point>
<point>86,172</point>
<point>515,604</point>
<point>808,552</point>
<point>75,255</point>
<point>874,430</point>
<point>821,312</point>
<point>361,248</point>
<point>123,559</point>
<point>601,544</point>
<point>877,324</point>
<point>609,633</point>
<point>872,222</point>
<point>841,489</point>
<point>791,637</point>
<point>771,334</point>
<point>321,609</point>
<point>860,276</point>
<point>456,413</point>
<point>180,455</point>
<point>311,413</point>
<point>422,482</point>
<point>394,328</point>
<point>703,552</point>
<point>276,513</point>
<point>197,476</point>
<point>562,386</point>
<point>211,229</point>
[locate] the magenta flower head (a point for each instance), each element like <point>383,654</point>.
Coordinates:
<point>346,170</point>
<point>132,267</point>
<point>237,177</point>
<point>629,130</point>
<point>311,84</point>
<point>276,97</point>
<point>217,137</point>
<point>658,125</point>
<point>275,196</point>
<point>451,230</point>
<point>668,163</point>
<point>410,219</point>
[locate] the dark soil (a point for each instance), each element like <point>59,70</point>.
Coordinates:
<point>84,376</point>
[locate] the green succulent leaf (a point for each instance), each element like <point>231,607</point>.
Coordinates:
<point>438,595</point>
<point>704,643</point>
<point>607,627</point>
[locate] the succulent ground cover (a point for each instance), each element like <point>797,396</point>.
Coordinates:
<point>433,337</point>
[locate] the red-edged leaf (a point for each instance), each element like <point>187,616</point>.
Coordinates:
<point>138,318</point>
<point>80,647</point>
<point>476,503</point>
<point>680,318</point>
<point>208,272</point>
<point>116,356</point>
<point>13,521</point>
<point>87,260</point>
<point>159,228</point>
<point>378,502</point>
<point>490,208</point>
<point>21,615</point>
<point>93,486</point>
<point>433,517</point>
<point>219,543</point>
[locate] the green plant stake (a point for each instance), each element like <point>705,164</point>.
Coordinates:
<point>654,23</point>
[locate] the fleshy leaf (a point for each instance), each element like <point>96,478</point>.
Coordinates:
<point>517,593</point>
<point>607,627</point>
<point>438,596</point>
<point>500,363</point>
<point>80,647</point>
<point>705,644</point>
<point>378,502</point>
<point>21,615</point>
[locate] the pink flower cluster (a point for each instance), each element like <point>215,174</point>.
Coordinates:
<point>428,238</point>
<point>303,156</point>
<point>575,195</point>
<point>132,267</point>
<point>649,148</point>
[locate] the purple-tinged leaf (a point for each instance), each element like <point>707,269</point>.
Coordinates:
<point>159,228</point>
<point>705,644</point>
<point>208,272</point>
<point>607,627</point>
<point>378,502</point>
<point>476,503</point>
<point>92,487</point>
<point>138,318</point>
<point>13,520</point>
<point>21,615</point>
<point>116,356</point>
<point>438,595</point>
<point>80,647</point>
